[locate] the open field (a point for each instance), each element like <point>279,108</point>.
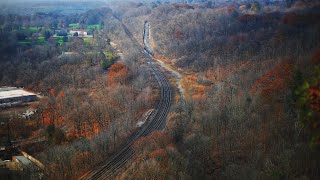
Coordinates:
<point>59,39</point>
<point>94,26</point>
<point>87,40</point>
<point>41,40</point>
<point>74,26</point>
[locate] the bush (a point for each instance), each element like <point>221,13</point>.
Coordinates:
<point>59,136</point>
<point>50,131</point>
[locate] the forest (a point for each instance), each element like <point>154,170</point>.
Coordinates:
<point>249,73</point>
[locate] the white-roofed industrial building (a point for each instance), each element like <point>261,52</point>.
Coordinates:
<point>14,95</point>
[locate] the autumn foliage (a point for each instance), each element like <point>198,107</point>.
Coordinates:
<point>193,88</point>
<point>155,151</point>
<point>158,153</point>
<point>155,140</point>
<point>52,113</point>
<point>118,73</point>
<point>275,80</point>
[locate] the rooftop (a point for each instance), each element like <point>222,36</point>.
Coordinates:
<point>78,30</point>
<point>10,92</point>
<point>25,161</point>
<point>7,88</point>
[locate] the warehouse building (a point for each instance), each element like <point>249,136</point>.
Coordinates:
<point>14,95</point>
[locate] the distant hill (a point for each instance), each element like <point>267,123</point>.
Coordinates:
<point>28,7</point>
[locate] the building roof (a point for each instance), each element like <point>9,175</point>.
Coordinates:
<point>78,30</point>
<point>4,94</point>
<point>25,161</point>
<point>5,88</point>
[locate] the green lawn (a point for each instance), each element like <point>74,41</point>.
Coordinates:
<point>32,29</point>
<point>108,54</point>
<point>59,40</point>
<point>87,40</point>
<point>92,27</point>
<point>26,42</point>
<point>74,26</point>
<point>41,40</point>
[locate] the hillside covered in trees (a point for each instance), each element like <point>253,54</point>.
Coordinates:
<point>249,72</point>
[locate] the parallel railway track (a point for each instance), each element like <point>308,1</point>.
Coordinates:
<point>156,121</point>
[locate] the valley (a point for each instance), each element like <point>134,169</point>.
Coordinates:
<point>160,89</point>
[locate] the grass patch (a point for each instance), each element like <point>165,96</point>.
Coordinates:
<point>108,54</point>
<point>74,26</point>
<point>25,42</point>
<point>92,27</point>
<point>41,40</point>
<point>32,29</point>
<point>59,39</point>
<point>87,40</point>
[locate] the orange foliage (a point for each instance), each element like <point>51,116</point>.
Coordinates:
<point>275,80</point>
<point>155,146</point>
<point>51,115</point>
<point>193,88</point>
<point>52,92</point>
<point>118,73</point>
<point>224,72</point>
<point>88,130</point>
<point>199,97</point>
<point>162,58</point>
<point>46,117</point>
<point>170,146</point>
<point>155,140</point>
<point>60,94</point>
<point>161,137</point>
<point>159,153</point>
<point>96,128</point>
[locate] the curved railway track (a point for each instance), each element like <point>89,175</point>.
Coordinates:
<point>156,121</point>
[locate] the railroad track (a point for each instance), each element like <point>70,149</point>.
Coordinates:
<point>156,121</point>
